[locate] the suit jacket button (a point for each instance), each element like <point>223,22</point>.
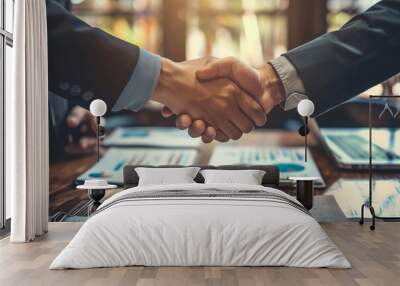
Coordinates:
<point>75,90</point>
<point>64,85</point>
<point>88,95</point>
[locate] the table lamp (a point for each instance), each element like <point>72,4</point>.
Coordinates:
<point>369,202</point>
<point>97,188</point>
<point>305,108</point>
<point>98,108</point>
<point>305,185</point>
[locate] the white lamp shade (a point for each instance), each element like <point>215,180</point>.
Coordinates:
<point>305,108</point>
<point>98,107</point>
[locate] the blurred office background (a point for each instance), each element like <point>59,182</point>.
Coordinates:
<point>253,30</point>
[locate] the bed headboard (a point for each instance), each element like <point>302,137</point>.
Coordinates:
<point>271,177</point>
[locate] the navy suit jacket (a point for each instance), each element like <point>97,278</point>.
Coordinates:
<point>85,62</point>
<point>364,52</point>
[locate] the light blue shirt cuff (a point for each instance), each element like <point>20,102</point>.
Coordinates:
<point>291,81</point>
<point>141,84</point>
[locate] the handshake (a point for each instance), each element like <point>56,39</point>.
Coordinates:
<point>217,98</point>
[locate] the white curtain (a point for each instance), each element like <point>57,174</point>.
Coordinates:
<point>27,124</point>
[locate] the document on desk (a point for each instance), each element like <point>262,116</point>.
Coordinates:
<point>289,160</point>
<point>112,163</point>
<point>169,137</point>
<point>350,194</point>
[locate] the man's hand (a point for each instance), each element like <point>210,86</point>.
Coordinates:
<point>262,84</point>
<point>219,103</point>
<point>81,132</point>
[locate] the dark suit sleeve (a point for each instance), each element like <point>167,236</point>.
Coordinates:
<point>85,62</point>
<point>339,65</point>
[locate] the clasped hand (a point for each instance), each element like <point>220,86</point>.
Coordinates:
<point>217,98</point>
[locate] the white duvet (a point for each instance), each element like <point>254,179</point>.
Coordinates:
<point>200,231</point>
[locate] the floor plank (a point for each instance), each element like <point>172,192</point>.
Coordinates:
<point>375,257</point>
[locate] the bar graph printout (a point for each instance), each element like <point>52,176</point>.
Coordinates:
<point>289,160</point>
<point>111,165</point>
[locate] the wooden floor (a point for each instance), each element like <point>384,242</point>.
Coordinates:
<point>375,257</point>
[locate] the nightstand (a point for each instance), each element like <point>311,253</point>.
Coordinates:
<point>96,190</point>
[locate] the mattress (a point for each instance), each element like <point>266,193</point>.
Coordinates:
<point>201,225</point>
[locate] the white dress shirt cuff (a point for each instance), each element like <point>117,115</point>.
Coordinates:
<point>292,83</point>
<point>142,83</point>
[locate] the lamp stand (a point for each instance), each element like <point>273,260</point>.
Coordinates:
<point>369,203</point>
<point>98,137</point>
<point>96,195</point>
<point>305,138</point>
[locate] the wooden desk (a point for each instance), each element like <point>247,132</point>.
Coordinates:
<point>64,196</point>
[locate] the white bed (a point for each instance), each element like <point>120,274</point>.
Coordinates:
<point>237,229</point>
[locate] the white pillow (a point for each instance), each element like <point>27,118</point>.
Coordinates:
<point>166,176</point>
<point>247,177</point>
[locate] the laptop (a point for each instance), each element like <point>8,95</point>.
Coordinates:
<point>344,132</point>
